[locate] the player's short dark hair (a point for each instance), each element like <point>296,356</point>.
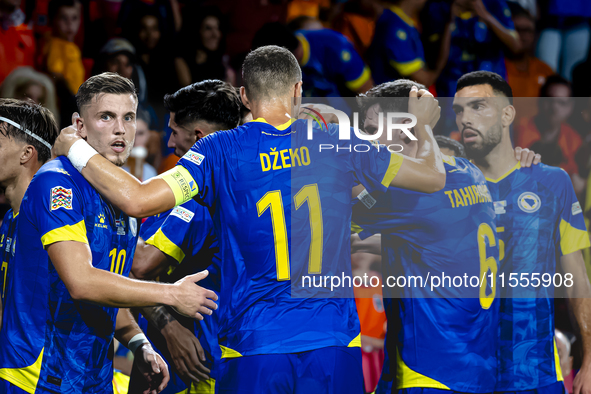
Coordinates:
<point>105,83</point>
<point>494,80</point>
<point>55,5</point>
<point>212,101</point>
<point>553,80</point>
<point>33,117</point>
<point>275,33</point>
<point>446,142</point>
<point>270,71</point>
<point>396,91</point>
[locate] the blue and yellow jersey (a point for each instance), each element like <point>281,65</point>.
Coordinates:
<point>474,45</point>
<point>396,50</point>
<point>186,234</point>
<point>538,220</point>
<point>448,336</point>
<point>50,341</point>
<point>330,64</point>
<point>281,209</point>
<point>7,249</point>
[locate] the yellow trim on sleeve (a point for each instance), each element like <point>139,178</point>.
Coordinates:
<point>75,232</point>
<point>181,183</point>
<point>466,15</point>
<point>408,378</point>
<point>355,84</point>
<point>515,167</point>
<point>305,48</point>
<point>572,239</point>
<point>407,68</point>
<point>557,362</point>
<point>229,353</point>
<point>203,387</point>
<point>393,168</point>
<point>161,242</point>
<point>356,228</point>
<point>402,15</point>
<point>26,378</point>
<point>355,342</point>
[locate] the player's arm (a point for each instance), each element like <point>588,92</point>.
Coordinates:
<point>508,37</point>
<point>426,172</point>
<point>73,263</point>
<point>580,298</point>
<point>149,262</point>
<point>150,364</point>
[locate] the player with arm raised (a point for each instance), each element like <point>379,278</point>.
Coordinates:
<point>261,214</point>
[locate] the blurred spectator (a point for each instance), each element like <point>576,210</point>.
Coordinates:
<point>305,23</point>
<point>563,345</point>
<point>397,51</point>
<point>525,73</point>
<point>154,54</point>
<point>565,37</point>
<point>357,22</point>
<point>62,57</point>
<point>582,78</point>
<point>25,83</point>
<point>310,8</point>
<point>331,67</point>
<point>137,163</point>
<point>548,133</point>
<point>201,49</point>
<point>481,31</point>
<point>169,17</point>
<point>17,44</point>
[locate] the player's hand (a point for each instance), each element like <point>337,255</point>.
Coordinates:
<point>153,367</point>
<point>186,352</point>
<point>309,111</point>
<point>66,138</point>
<point>192,300</point>
<point>423,105</point>
<point>527,157</point>
<point>582,382</point>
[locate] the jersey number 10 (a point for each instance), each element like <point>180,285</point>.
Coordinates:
<point>274,202</point>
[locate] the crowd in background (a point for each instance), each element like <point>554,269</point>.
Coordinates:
<point>48,48</point>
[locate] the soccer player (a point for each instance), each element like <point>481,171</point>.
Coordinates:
<point>73,251</point>
<point>183,241</point>
<point>27,132</point>
<point>540,225</point>
<point>448,336</point>
<point>267,337</point>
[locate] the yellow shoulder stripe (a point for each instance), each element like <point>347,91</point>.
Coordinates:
<point>355,84</point>
<point>26,378</point>
<point>407,378</point>
<point>356,228</point>
<point>557,362</point>
<point>355,342</point>
<point>181,183</point>
<point>161,242</point>
<point>75,232</point>
<point>407,68</point>
<point>229,353</point>
<point>571,238</point>
<point>393,168</point>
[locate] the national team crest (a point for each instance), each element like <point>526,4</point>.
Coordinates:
<point>61,198</point>
<point>529,202</point>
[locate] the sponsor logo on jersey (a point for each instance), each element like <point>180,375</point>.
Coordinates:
<point>183,213</point>
<point>529,202</point>
<point>61,198</point>
<point>194,157</point>
<point>576,208</point>
<point>500,207</point>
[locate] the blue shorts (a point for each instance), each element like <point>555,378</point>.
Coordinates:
<point>330,370</point>
<point>554,388</point>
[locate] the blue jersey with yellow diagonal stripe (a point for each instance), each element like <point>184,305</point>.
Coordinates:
<point>7,249</point>
<point>538,220</point>
<point>281,209</point>
<point>49,341</point>
<point>448,334</point>
<point>330,64</point>
<point>396,50</point>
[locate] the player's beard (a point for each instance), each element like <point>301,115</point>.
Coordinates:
<point>492,138</point>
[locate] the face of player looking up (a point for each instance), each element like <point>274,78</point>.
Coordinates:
<point>184,137</point>
<point>371,126</point>
<point>479,119</point>
<point>108,125</point>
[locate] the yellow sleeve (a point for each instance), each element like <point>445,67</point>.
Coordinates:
<point>75,232</point>
<point>393,168</point>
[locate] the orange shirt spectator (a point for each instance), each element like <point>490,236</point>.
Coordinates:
<point>17,44</point>
<point>567,144</point>
<point>527,82</point>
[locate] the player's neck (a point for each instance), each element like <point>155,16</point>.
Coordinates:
<point>276,112</point>
<point>499,161</point>
<point>15,191</point>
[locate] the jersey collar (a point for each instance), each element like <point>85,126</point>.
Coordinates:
<point>515,167</point>
<point>407,19</point>
<point>280,127</point>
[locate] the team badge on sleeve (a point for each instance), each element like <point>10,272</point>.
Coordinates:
<point>61,198</point>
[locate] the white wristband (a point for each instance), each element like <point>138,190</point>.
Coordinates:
<point>137,341</point>
<point>80,153</point>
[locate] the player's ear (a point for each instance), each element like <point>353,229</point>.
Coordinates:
<point>80,126</point>
<point>245,99</point>
<point>508,115</point>
<point>27,153</point>
<point>298,89</point>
